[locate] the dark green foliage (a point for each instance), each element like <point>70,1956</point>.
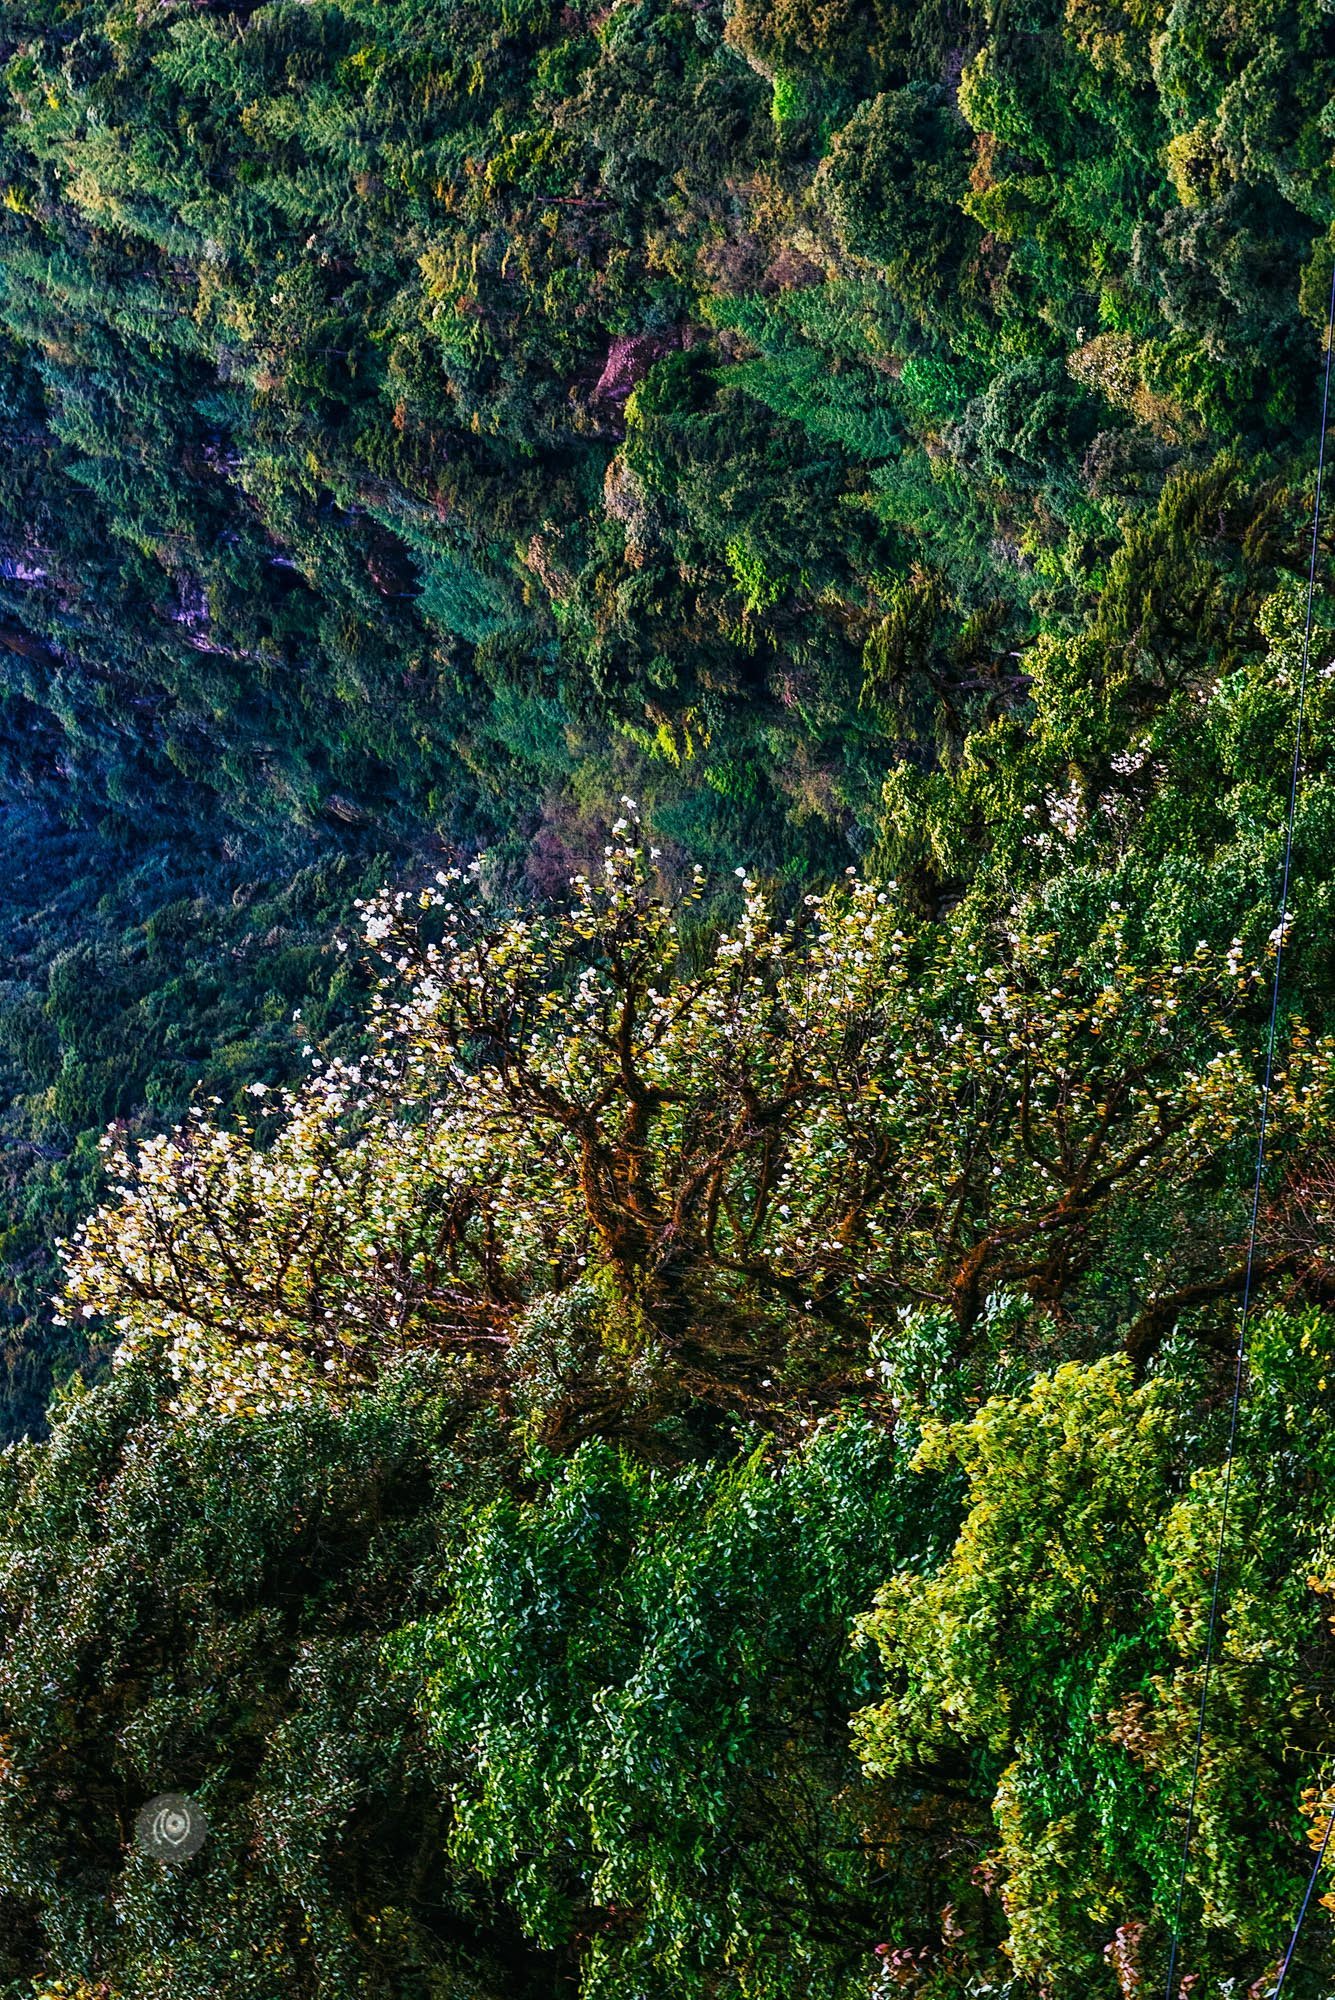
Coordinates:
<point>206,1610</point>
<point>895,179</point>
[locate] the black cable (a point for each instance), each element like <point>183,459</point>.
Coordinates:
<point>1241,1361</point>
<point>1312,1881</point>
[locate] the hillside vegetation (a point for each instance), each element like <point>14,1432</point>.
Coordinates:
<point>648,662</point>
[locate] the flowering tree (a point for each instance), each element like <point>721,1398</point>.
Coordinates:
<point>747,1161</point>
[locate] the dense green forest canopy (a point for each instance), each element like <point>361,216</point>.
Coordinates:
<point>668,1423</point>
<point>839,425</point>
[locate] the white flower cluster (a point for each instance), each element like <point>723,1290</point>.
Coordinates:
<point>828,1108</point>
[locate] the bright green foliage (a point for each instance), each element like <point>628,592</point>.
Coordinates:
<point>1060,1647</point>
<point>644,1681</point>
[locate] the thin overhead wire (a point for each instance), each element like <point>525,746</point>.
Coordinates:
<point>1305,1905</point>
<point>1240,1362</point>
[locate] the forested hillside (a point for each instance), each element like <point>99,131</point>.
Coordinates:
<point>648,664</point>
